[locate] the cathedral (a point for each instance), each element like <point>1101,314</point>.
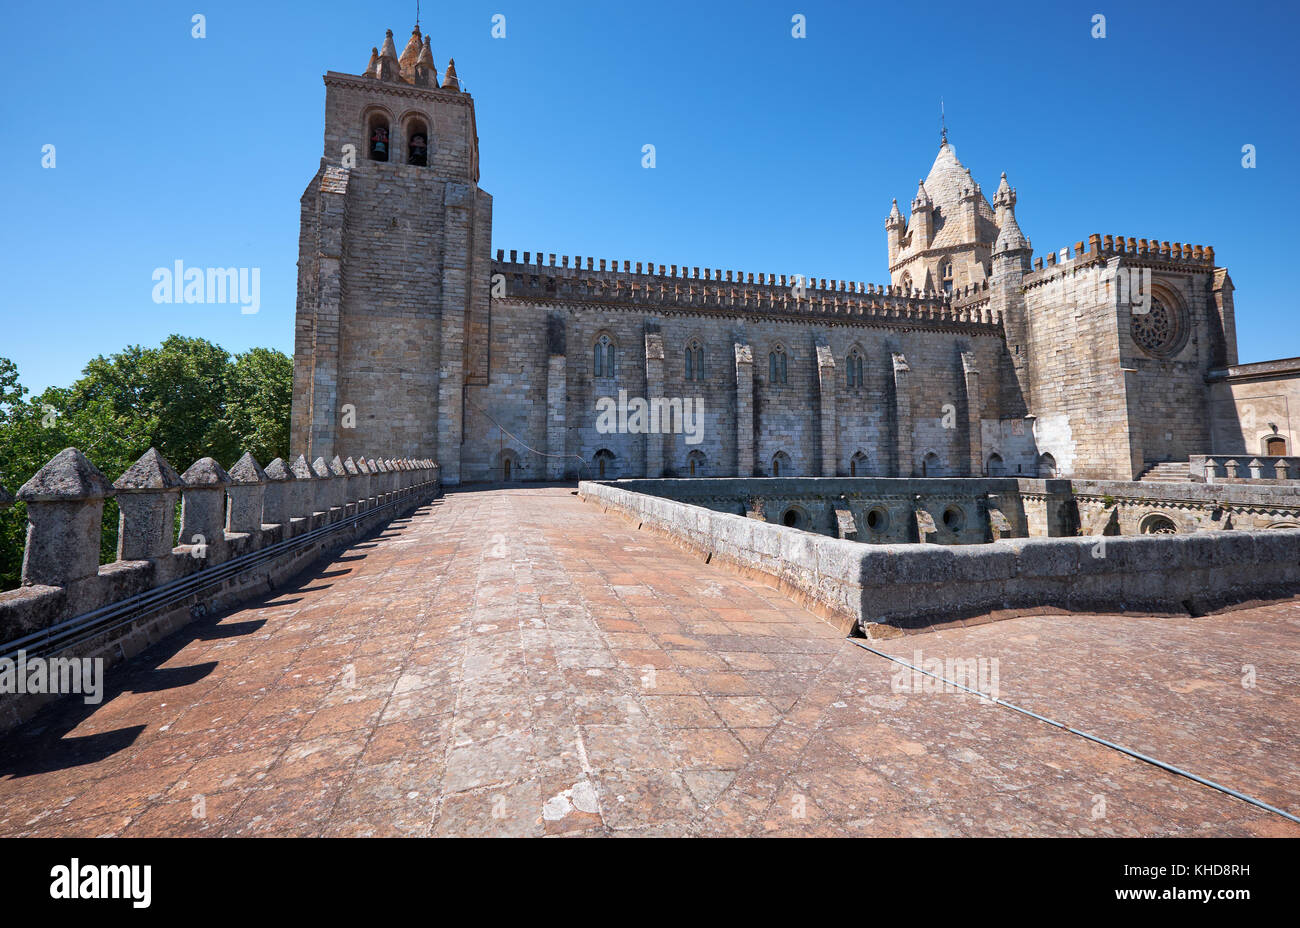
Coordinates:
<point>1105,359</point>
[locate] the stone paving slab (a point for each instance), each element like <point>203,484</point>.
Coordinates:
<point>514,662</point>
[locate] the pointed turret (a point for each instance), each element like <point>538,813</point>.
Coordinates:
<point>922,224</point>
<point>410,55</point>
<point>922,199</point>
<point>372,68</point>
<point>426,72</point>
<point>895,227</point>
<point>895,217</point>
<point>1006,195</point>
<point>388,68</point>
<point>449,81</point>
<point>1010,238</point>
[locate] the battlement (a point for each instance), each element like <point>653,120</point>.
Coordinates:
<point>682,287</point>
<point>1141,248</point>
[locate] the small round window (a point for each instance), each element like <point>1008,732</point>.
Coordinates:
<point>953,519</point>
<point>791,518</point>
<point>877,519</point>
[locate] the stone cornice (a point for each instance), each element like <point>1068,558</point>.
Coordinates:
<point>371,84</point>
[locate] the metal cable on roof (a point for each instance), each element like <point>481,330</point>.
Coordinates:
<point>1083,734</point>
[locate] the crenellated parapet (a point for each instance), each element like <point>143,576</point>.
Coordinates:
<point>1101,250</point>
<point>1142,252</point>
<point>241,532</point>
<point>639,285</point>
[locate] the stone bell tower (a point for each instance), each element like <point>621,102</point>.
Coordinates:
<point>393,265</point>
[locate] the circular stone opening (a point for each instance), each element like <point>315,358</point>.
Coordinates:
<point>791,517</point>
<point>1158,525</point>
<point>1161,331</point>
<point>876,519</point>
<point>953,518</point>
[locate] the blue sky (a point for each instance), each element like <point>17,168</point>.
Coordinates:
<point>774,154</point>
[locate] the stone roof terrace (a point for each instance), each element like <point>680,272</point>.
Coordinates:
<point>514,662</point>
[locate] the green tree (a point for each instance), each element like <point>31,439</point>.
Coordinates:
<point>258,398</point>
<point>188,398</point>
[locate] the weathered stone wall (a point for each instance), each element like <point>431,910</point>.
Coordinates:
<point>900,505</point>
<point>1108,507</point>
<point>1031,507</point>
<point>779,418</point>
<point>393,273</point>
<point>880,588</point>
<point>1252,403</point>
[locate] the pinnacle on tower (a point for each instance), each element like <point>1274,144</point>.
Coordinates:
<point>895,217</point>
<point>410,55</point>
<point>922,199</point>
<point>389,69</point>
<point>426,72</point>
<point>372,67</point>
<point>1006,195</point>
<point>1010,238</point>
<point>449,81</point>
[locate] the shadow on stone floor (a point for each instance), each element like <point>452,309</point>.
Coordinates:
<point>44,743</point>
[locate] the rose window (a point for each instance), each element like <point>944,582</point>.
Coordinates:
<point>1158,331</point>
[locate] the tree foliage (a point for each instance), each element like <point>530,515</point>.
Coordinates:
<point>188,398</point>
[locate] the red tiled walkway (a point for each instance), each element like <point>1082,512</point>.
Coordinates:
<point>515,662</point>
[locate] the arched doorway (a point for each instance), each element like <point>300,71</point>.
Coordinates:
<point>604,464</point>
<point>508,465</point>
<point>1046,466</point>
<point>1275,446</point>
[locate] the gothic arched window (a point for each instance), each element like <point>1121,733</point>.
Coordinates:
<point>947,277</point>
<point>603,357</point>
<point>776,365</point>
<point>906,283</point>
<point>853,368</point>
<point>694,360</point>
<point>377,137</point>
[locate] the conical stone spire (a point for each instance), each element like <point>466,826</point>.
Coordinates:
<point>895,217</point>
<point>1005,196</point>
<point>922,198</point>
<point>372,67</point>
<point>426,72</point>
<point>388,68</point>
<point>449,81</point>
<point>1010,237</point>
<point>410,55</point>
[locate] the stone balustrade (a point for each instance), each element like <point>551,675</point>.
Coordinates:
<point>224,515</point>
<point>1222,468</point>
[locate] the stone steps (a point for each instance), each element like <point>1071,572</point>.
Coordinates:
<point>1167,472</point>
